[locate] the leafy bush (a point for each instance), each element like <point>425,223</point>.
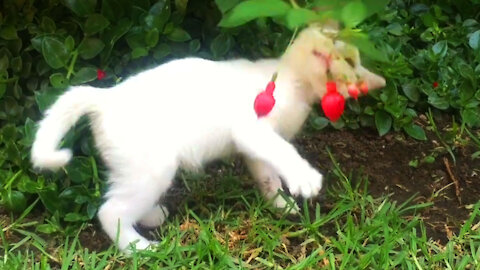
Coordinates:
<point>46,46</point>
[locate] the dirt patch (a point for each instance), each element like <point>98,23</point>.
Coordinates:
<point>389,163</point>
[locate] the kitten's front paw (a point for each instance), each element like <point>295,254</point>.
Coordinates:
<point>308,183</point>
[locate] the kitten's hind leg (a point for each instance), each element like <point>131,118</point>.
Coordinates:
<point>129,198</point>
<point>270,185</point>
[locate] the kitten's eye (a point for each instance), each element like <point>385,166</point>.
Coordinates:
<point>350,61</point>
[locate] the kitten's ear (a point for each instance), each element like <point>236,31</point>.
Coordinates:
<point>373,80</point>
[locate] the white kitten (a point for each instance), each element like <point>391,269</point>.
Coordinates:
<point>190,111</point>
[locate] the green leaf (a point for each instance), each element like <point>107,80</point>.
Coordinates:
<point>113,10</point>
<point>398,107</point>
<point>471,116</point>
<point>179,35</point>
<point>395,29</point>
<point>50,200</point>
<point>8,32</point>
<point>375,6</point>
<point>151,38</point>
<point>364,44</point>
<point>298,17</point>
<point>136,37</point>
<point>252,9</point>
<point>158,15</point>
<point>74,217</point>
<point>226,5</point>
<point>4,63</point>
<point>466,71</point>
<point>194,46</point>
<point>46,228</point>
<point>84,75</point>
<point>440,48</point>
<point>11,107</point>
<point>26,185</point>
<point>14,201</point>
<point>48,25</point>
<point>383,122</point>
<point>90,47</point>
<point>58,80</point>
<point>81,7</point>
<point>320,123</point>
<point>30,130</point>
<point>353,13</point>
<point>411,91</point>
<point>161,51</point>
<point>91,210</point>
<point>95,23</point>
<point>16,64</point>
<point>474,40</point>
<point>9,132</point>
<point>70,43</point>
<point>120,29</point>
<point>415,132</point>
<point>3,89</point>
<point>54,52</point>
<point>181,5</point>
<point>221,44</point>
<point>79,170</point>
<point>439,102</point>
<point>139,52</point>
<point>47,97</point>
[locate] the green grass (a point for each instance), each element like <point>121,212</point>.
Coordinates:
<point>225,225</point>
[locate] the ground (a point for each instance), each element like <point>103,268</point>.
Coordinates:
<point>389,164</point>
<point>220,210</point>
<point>386,161</point>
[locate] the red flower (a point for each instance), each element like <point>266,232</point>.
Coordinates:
<point>333,104</point>
<point>353,90</point>
<point>265,101</point>
<point>435,84</point>
<point>100,74</point>
<point>363,88</point>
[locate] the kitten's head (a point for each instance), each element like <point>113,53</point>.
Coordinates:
<point>313,55</point>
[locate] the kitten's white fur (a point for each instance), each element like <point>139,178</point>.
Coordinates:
<point>191,111</point>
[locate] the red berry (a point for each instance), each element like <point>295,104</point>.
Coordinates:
<point>353,91</point>
<point>435,84</point>
<point>333,105</point>
<point>363,88</point>
<point>264,103</point>
<point>100,74</point>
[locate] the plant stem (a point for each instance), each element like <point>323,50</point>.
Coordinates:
<point>294,4</point>
<point>435,130</point>
<point>72,64</point>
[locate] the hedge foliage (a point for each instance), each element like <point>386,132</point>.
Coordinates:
<point>427,50</point>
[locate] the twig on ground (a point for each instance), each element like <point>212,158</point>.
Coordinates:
<point>454,179</point>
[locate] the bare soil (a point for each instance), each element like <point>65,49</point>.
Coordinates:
<point>385,161</point>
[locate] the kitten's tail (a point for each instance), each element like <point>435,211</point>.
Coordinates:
<point>59,119</point>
